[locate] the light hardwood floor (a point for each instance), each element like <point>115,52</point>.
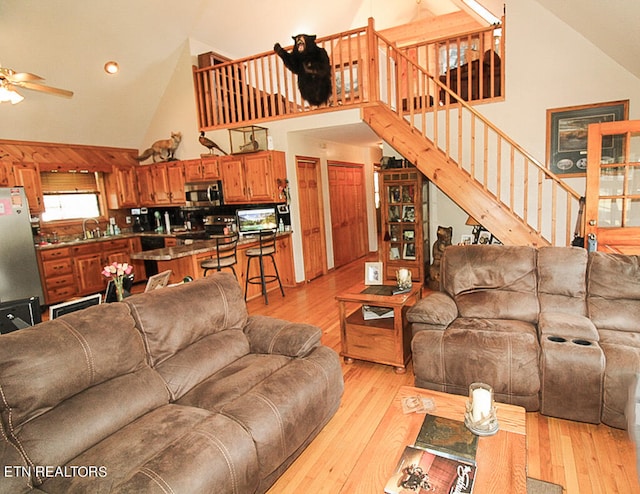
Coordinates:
<point>583,458</point>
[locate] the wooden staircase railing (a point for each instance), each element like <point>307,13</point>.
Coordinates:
<point>478,166</point>
<point>472,161</point>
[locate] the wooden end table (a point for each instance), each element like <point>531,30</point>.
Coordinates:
<point>384,341</point>
<point>501,459</point>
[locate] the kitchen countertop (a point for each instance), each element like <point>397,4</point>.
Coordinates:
<point>195,248</point>
<point>81,241</point>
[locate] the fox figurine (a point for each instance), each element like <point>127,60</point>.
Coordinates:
<point>163,149</point>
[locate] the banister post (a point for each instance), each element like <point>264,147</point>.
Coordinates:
<point>373,65</point>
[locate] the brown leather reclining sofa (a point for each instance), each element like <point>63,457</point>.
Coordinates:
<point>554,329</point>
<point>177,390</point>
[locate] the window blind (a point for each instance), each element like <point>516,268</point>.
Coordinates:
<point>65,183</point>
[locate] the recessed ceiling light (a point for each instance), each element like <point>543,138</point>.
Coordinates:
<point>111,67</point>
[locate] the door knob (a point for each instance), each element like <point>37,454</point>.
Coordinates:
<point>592,222</point>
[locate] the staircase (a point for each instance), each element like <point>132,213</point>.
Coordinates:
<point>468,158</point>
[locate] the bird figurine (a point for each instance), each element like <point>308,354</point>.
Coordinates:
<point>209,144</point>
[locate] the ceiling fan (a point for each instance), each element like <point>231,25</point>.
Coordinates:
<point>10,80</point>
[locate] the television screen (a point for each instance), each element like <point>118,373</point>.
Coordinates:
<point>18,314</point>
<point>74,305</point>
<point>253,220</point>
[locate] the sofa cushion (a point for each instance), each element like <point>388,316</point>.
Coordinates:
<point>71,382</point>
<point>562,283</point>
<point>172,319</point>
<point>502,353</point>
<point>281,401</point>
<point>171,449</point>
<point>613,282</point>
<point>492,281</point>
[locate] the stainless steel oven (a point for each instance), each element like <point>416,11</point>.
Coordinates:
<point>204,194</point>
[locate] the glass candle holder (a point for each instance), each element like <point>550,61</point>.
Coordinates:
<point>480,416</point>
<point>403,277</point>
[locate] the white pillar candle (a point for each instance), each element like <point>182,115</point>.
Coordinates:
<point>481,404</point>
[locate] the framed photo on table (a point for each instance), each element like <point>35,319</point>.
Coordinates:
<point>373,273</point>
<point>567,135</point>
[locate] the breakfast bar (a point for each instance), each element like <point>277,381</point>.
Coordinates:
<point>184,260</point>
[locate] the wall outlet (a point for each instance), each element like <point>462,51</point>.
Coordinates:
<point>128,220</point>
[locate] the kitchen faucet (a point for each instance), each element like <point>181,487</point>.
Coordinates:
<point>84,227</point>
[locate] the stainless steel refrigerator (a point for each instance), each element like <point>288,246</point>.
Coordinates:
<point>19,275</point>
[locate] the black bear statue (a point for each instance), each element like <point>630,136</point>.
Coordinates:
<point>311,64</point>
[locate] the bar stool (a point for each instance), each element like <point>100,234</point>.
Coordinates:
<point>225,254</point>
<point>266,248</point>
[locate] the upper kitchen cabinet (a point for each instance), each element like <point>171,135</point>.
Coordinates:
<point>201,170</point>
<point>161,184</point>
<point>27,175</point>
<point>253,178</point>
<point>6,175</point>
<point>121,187</point>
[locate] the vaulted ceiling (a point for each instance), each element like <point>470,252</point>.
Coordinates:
<point>68,42</point>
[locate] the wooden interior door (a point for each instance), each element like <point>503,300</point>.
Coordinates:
<point>348,211</point>
<point>612,204</point>
<point>311,217</point>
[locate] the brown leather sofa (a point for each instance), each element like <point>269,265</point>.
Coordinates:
<point>177,390</point>
<point>554,329</point>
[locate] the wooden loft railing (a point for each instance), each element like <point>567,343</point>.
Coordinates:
<point>449,59</point>
<point>496,181</point>
<point>259,88</point>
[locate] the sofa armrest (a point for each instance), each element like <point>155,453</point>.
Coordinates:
<point>436,309</point>
<point>277,336</point>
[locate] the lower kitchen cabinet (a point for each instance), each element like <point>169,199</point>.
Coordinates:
<point>76,270</point>
<point>56,270</point>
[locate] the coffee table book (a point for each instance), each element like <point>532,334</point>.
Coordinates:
<point>424,472</point>
<point>447,437</point>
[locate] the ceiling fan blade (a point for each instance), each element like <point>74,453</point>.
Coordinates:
<point>25,76</point>
<point>46,89</point>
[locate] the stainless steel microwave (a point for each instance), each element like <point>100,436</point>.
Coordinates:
<point>203,194</point>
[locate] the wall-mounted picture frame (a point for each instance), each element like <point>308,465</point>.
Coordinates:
<point>567,135</point>
<point>373,273</point>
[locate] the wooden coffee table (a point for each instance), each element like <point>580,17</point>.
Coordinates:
<point>501,458</point>
<point>384,341</point>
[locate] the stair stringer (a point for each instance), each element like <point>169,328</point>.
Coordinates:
<point>454,181</point>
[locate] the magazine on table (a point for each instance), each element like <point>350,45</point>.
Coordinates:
<point>424,472</point>
<point>442,460</point>
<point>447,437</point>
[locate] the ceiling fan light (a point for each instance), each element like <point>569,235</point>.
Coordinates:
<point>111,67</point>
<point>9,95</point>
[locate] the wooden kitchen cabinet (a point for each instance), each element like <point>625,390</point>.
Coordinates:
<point>88,264</point>
<point>121,187</point>
<point>201,170</point>
<point>161,184</point>
<point>27,175</point>
<point>6,175</point>
<point>252,178</point>
<point>145,185</point>
<point>57,275</point>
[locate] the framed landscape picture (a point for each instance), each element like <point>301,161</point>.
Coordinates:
<point>567,135</point>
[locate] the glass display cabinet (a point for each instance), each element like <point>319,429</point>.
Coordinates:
<point>404,215</point>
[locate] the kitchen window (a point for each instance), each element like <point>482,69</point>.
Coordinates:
<point>70,196</point>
